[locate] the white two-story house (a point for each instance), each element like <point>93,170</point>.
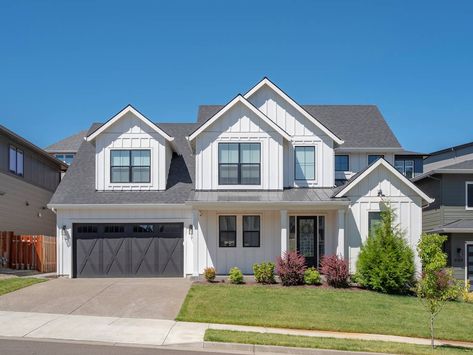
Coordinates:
<point>248,181</point>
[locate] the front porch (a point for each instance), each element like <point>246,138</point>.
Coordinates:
<point>233,235</point>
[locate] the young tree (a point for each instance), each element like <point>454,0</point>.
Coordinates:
<point>386,261</point>
<point>437,285</point>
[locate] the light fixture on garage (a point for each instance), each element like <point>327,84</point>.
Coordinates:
<point>191,229</point>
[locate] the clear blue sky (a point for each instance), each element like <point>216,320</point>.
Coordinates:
<point>66,64</point>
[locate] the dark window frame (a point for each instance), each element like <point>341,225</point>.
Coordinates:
<point>379,156</point>
<point>403,161</point>
<point>468,204</point>
<point>17,150</point>
<point>220,244</point>
<point>239,164</point>
<point>371,213</point>
<point>348,161</point>
<point>251,231</point>
<point>315,162</point>
<point>130,167</point>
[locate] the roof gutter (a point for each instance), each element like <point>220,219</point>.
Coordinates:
<point>56,206</point>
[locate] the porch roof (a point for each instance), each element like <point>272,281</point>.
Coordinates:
<point>458,226</point>
<point>308,196</point>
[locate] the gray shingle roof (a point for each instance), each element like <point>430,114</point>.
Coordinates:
<point>457,225</point>
<point>70,144</point>
<point>360,126</point>
<point>467,164</point>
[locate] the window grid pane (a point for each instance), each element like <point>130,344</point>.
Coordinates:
<point>305,163</point>
<point>341,163</point>
<point>130,166</point>
<point>19,162</point>
<point>12,160</point>
<point>239,163</point>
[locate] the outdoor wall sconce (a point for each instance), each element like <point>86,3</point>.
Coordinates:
<point>2,193</point>
<point>191,229</point>
<point>27,203</point>
<point>380,193</point>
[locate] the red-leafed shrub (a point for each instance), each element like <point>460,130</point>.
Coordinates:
<point>290,268</point>
<point>335,270</point>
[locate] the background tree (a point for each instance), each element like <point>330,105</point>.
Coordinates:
<point>437,285</point>
<point>386,261</point>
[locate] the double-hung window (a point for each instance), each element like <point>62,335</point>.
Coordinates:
<point>130,166</point>
<point>251,231</point>
<point>239,163</point>
<point>405,167</point>
<point>342,163</point>
<point>16,162</point>
<point>373,157</point>
<point>227,231</point>
<point>469,195</point>
<point>304,163</point>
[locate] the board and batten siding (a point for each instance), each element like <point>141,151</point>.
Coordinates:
<point>131,133</point>
<point>239,125</point>
<point>303,132</point>
<point>107,214</point>
<point>364,198</point>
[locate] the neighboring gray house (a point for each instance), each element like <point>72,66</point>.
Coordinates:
<point>244,183</point>
<point>449,180</point>
<point>28,178</point>
<point>66,149</point>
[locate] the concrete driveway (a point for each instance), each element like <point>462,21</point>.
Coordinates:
<point>132,298</point>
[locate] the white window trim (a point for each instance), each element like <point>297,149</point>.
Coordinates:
<point>466,195</point>
<point>318,160</point>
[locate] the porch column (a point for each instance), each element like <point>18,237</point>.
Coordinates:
<point>284,231</point>
<point>341,233</point>
<point>195,242</point>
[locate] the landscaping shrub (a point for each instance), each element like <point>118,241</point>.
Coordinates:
<point>335,270</point>
<point>290,268</point>
<point>386,261</point>
<point>467,296</point>
<point>209,274</point>
<point>235,276</point>
<point>312,276</point>
<point>264,273</point>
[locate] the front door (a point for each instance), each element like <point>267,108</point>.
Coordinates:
<point>307,239</point>
<point>469,264</point>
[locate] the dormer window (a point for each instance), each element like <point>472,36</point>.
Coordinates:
<point>239,163</point>
<point>130,166</point>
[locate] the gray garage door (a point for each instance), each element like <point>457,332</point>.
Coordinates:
<point>128,250</point>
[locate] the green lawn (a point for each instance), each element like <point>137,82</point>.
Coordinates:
<point>323,309</point>
<point>15,283</point>
<point>229,336</point>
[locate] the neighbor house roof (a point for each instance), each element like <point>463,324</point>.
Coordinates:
<point>359,126</point>
<point>70,144</point>
<point>457,226</point>
<point>463,167</point>
<point>449,149</point>
<point>17,138</point>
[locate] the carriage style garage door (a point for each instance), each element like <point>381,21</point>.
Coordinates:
<point>128,250</point>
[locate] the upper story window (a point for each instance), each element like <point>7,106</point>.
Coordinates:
<point>304,163</point>
<point>342,163</point>
<point>469,195</point>
<point>66,158</point>
<point>130,166</point>
<point>373,157</point>
<point>405,167</point>
<point>374,220</point>
<point>239,163</point>
<point>16,161</point>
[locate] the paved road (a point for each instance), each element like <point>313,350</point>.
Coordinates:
<point>27,347</point>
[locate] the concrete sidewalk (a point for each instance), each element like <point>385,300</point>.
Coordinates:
<point>153,332</point>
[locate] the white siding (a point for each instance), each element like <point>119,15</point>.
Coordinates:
<point>106,214</point>
<point>131,133</point>
<point>364,197</point>
<point>239,124</point>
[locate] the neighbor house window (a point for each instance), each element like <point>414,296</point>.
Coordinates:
<point>130,166</point>
<point>239,163</point>
<point>469,195</point>
<point>16,161</point>
<point>251,231</point>
<point>304,163</point>
<point>66,158</point>
<point>373,157</point>
<point>341,163</point>
<point>405,167</point>
<point>374,219</point>
<point>227,231</point>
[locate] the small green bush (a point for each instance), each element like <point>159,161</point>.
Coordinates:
<point>235,276</point>
<point>264,273</point>
<point>312,276</point>
<point>209,274</point>
<point>386,261</point>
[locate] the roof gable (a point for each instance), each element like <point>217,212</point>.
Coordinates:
<point>267,83</point>
<point>357,178</point>
<point>119,116</point>
<point>238,99</point>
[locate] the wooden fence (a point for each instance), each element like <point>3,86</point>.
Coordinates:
<point>28,252</point>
